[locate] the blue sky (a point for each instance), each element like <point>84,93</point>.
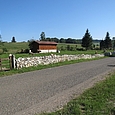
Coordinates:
<point>26,19</point>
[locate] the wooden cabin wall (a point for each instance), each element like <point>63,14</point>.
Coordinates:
<point>47,47</point>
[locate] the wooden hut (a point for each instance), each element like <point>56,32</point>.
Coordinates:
<point>43,46</point>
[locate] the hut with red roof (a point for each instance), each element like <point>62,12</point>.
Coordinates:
<point>43,46</point>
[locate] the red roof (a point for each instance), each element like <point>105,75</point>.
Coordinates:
<point>46,42</point>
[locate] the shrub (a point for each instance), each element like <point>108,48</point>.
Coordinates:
<point>26,51</point>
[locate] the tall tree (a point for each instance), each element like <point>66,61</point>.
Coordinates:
<point>102,44</point>
<point>42,36</point>
<point>87,40</point>
<point>13,39</point>
<point>108,43</point>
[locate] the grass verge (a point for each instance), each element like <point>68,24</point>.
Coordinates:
<point>99,100</point>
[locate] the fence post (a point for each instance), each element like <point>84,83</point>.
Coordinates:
<point>12,61</point>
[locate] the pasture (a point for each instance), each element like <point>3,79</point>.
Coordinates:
<point>17,47</point>
<point>14,47</point>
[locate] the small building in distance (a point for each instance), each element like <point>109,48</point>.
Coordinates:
<point>43,46</point>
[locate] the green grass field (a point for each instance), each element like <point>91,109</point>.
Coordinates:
<point>15,48</point>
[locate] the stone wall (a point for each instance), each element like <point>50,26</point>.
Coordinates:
<point>44,60</point>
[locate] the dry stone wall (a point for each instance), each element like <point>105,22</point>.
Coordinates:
<point>45,60</point>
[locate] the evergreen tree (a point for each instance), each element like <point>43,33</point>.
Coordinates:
<point>87,40</point>
<point>108,43</point>
<point>102,44</point>
<point>13,39</point>
<point>42,36</point>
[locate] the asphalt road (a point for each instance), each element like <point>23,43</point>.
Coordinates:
<point>48,89</point>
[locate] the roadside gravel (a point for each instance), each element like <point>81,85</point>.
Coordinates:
<point>50,89</point>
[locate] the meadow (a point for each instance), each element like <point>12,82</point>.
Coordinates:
<point>15,48</point>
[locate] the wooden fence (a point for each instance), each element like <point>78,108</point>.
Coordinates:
<point>7,63</point>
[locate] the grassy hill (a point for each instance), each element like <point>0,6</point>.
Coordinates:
<point>14,47</point>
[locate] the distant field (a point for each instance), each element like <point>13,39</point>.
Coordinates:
<point>65,44</point>
<point>15,48</point>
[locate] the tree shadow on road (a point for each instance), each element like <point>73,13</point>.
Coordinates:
<point>112,65</point>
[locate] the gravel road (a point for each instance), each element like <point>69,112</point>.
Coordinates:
<point>49,89</point>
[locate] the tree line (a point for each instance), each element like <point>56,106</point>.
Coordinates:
<point>61,40</point>
<point>86,41</point>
